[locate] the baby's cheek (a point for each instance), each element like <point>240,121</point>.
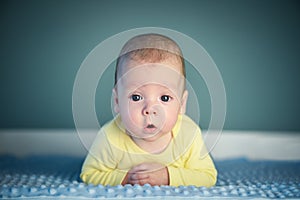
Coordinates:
<point>133,117</point>
<point>129,124</point>
<point>128,111</point>
<point>169,123</point>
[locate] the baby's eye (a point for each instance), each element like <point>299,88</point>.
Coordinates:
<point>165,98</point>
<point>136,97</point>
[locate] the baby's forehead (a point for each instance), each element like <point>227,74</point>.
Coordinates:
<point>167,76</point>
<point>163,65</point>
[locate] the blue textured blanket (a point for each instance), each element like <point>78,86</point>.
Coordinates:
<point>58,176</point>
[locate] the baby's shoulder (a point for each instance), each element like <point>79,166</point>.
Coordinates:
<point>114,132</point>
<point>187,132</point>
<point>188,125</point>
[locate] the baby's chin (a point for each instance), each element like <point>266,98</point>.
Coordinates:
<point>146,136</point>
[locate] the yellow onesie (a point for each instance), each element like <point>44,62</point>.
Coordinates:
<point>113,153</point>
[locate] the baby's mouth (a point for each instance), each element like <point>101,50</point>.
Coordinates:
<point>150,129</point>
<point>150,126</point>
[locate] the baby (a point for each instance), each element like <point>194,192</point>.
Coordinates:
<point>151,140</point>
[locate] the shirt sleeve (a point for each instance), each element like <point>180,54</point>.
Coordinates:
<point>100,165</point>
<point>198,169</point>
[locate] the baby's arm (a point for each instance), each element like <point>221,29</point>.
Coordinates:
<point>96,173</point>
<point>100,165</point>
<point>198,169</point>
<point>192,176</point>
<point>151,173</point>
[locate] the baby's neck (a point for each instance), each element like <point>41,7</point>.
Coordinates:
<point>154,145</point>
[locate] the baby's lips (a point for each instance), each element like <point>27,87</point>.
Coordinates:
<point>150,126</point>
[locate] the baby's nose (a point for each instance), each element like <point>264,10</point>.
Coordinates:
<point>150,110</point>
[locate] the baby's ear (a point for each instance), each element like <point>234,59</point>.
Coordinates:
<point>116,101</point>
<point>183,102</point>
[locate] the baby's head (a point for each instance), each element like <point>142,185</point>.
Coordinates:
<point>149,48</point>
<point>149,88</point>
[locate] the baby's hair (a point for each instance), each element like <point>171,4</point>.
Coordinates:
<point>149,48</point>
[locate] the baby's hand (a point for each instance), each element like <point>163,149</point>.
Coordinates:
<point>151,173</point>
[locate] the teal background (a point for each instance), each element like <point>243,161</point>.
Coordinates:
<point>255,45</point>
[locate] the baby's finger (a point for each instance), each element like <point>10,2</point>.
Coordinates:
<point>140,182</point>
<point>139,168</point>
<point>139,176</point>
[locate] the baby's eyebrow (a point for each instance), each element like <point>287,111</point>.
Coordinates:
<point>172,91</point>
